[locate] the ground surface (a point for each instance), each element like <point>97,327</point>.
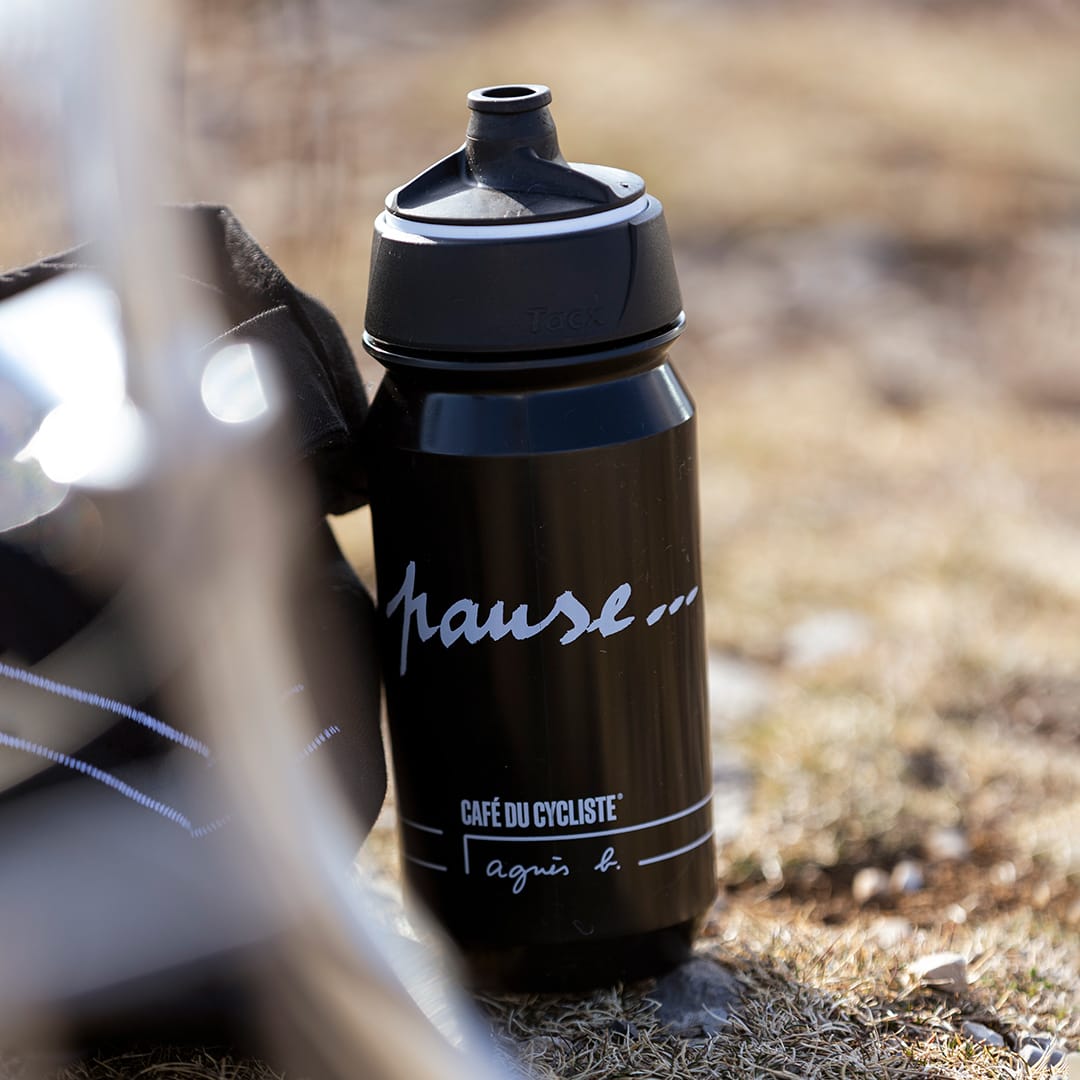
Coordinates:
<point>877,217</point>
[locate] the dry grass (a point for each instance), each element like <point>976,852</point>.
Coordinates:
<point>777,115</point>
<point>888,515</point>
<point>819,1001</point>
<point>170,1063</point>
<point>875,207</point>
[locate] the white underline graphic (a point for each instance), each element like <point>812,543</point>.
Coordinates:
<point>211,827</point>
<point>584,835</point>
<point>99,701</point>
<point>422,828</point>
<point>678,851</point>
<point>422,862</point>
<point>324,736</point>
<point>110,781</point>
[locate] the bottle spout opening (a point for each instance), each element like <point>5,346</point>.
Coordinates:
<point>523,97</point>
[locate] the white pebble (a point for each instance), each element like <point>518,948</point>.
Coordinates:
<point>947,844</point>
<point>1041,894</point>
<point>907,877</point>
<point>944,971</point>
<point>869,883</point>
<point>956,913</point>
<point>1071,1065</point>
<point>738,690</point>
<point>826,636</point>
<point>892,931</point>
<point>1003,873</point>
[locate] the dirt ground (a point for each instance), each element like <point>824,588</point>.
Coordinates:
<point>876,211</point>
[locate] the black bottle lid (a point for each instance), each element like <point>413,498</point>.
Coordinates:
<point>504,247</point>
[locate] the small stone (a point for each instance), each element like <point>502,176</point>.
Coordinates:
<point>956,913</point>
<point>982,1034</point>
<point>870,883</point>
<point>738,690</point>
<point>1003,873</point>
<point>827,636</point>
<point>1041,895</point>
<point>945,971</point>
<point>697,998</point>
<point>1040,1050</point>
<point>1043,1042</point>
<point>907,877</point>
<point>948,844</point>
<point>1071,1066</point>
<point>889,933</point>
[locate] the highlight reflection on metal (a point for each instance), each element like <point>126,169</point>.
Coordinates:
<point>231,388</point>
<point>104,448</point>
<point>65,415</point>
<point>62,353</point>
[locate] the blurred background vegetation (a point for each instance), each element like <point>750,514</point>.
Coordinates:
<point>876,212</point>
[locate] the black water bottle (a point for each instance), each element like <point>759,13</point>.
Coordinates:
<point>533,481</point>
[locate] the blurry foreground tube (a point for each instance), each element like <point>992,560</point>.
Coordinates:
<point>189,741</point>
<point>180,850</point>
<point>533,482</point>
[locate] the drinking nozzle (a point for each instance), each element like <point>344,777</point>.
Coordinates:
<point>504,248</point>
<point>511,168</point>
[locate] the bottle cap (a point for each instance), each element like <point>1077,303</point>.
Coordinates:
<point>504,247</point>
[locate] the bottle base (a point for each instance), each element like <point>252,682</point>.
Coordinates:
<point>583,965</point>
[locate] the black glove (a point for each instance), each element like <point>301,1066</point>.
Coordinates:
<point>143,767</point>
